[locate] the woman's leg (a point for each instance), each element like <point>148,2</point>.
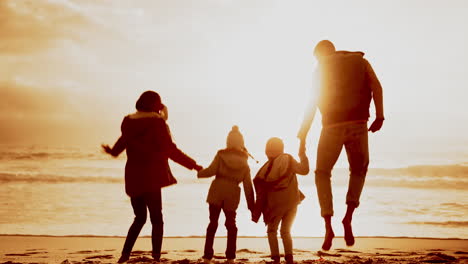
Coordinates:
<point>211,231</point>
<point>139,208</point>
<point>154,203</point>
<point>231,233</point>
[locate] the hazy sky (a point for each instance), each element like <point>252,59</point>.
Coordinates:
<point>70,70</point>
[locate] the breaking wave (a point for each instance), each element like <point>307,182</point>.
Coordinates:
<point>445,223</point>
<point>34,178</point>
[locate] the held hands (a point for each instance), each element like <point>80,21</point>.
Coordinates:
<point>255,214</point>
<point>254,217</point>
<point>376,125</point>
<point>302,148</point>
<point>198,167</point>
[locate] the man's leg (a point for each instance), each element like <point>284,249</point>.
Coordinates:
<point>139,209</point>
<point>357,150</point>
<point>328,151</point>
<point>154,202</point>
<point>231,234</point>
<point>211,231</point>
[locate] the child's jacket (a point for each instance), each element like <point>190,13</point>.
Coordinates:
<point>277,188</point>
<point>230,168</point>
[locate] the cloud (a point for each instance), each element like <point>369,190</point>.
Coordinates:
<point>28,27</point>
<point>23,100</point>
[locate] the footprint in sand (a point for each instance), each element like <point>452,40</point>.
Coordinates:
<point>84,252</point>
<point>141,260</point>
<point>245,250</point>
<point>17,254</point>
<point>101,257</point>
<point>140,252</point>
<point>322,254</point>
<point>301,251</point>
<point>342,250</point>
<point>437,258</point>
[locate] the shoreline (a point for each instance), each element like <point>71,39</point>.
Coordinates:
<point>265,237</point>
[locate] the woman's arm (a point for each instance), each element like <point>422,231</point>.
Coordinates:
<point>175,153</point>
<point>120,145</point>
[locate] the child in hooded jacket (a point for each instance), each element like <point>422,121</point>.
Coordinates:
<point>278,195</point>
<point>230,168</point>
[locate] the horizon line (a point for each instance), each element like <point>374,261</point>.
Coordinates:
<point>181,237</point>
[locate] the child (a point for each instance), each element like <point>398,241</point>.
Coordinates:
<point>146,138</point>
<point>278,195</point>
<point>229,168</point>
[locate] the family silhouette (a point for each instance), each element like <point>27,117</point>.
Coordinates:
<point>345,84</point>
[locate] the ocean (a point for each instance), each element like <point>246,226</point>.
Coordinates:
<point>62,191</point>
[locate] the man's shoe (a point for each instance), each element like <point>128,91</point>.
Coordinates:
<point>348,233</point>
<point>327,242</point>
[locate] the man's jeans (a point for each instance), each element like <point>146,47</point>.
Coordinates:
<point>213,226</point>
<point>152,201</point>
<point>272,230</point>
<point>354,138</point>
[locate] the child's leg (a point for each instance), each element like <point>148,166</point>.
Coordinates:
<point>231,233</point>
<point>211,231</point>
<point>272,231</point>
<point>286,224</point>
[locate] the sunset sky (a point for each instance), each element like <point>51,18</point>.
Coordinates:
<point>70,70</point>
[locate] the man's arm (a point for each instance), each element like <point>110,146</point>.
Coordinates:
<point>302,167</point>
<point>377,96</point>
<point>307,122</point>
<point>311,109</point>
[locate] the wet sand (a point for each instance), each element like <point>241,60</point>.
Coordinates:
<point>47,249</point>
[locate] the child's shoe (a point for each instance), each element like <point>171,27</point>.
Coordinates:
<point>276,260</point>
<point>206,261</point>
<point>230,261</point>
<point>289,259</point>
<point>123,258</point>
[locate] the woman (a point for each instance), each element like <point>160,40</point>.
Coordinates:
<point>147,141</point>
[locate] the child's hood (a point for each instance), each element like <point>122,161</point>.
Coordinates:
<point>279,168</point>
<point>234,159</point>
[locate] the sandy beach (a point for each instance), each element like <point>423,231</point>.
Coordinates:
<point>48,249</point>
